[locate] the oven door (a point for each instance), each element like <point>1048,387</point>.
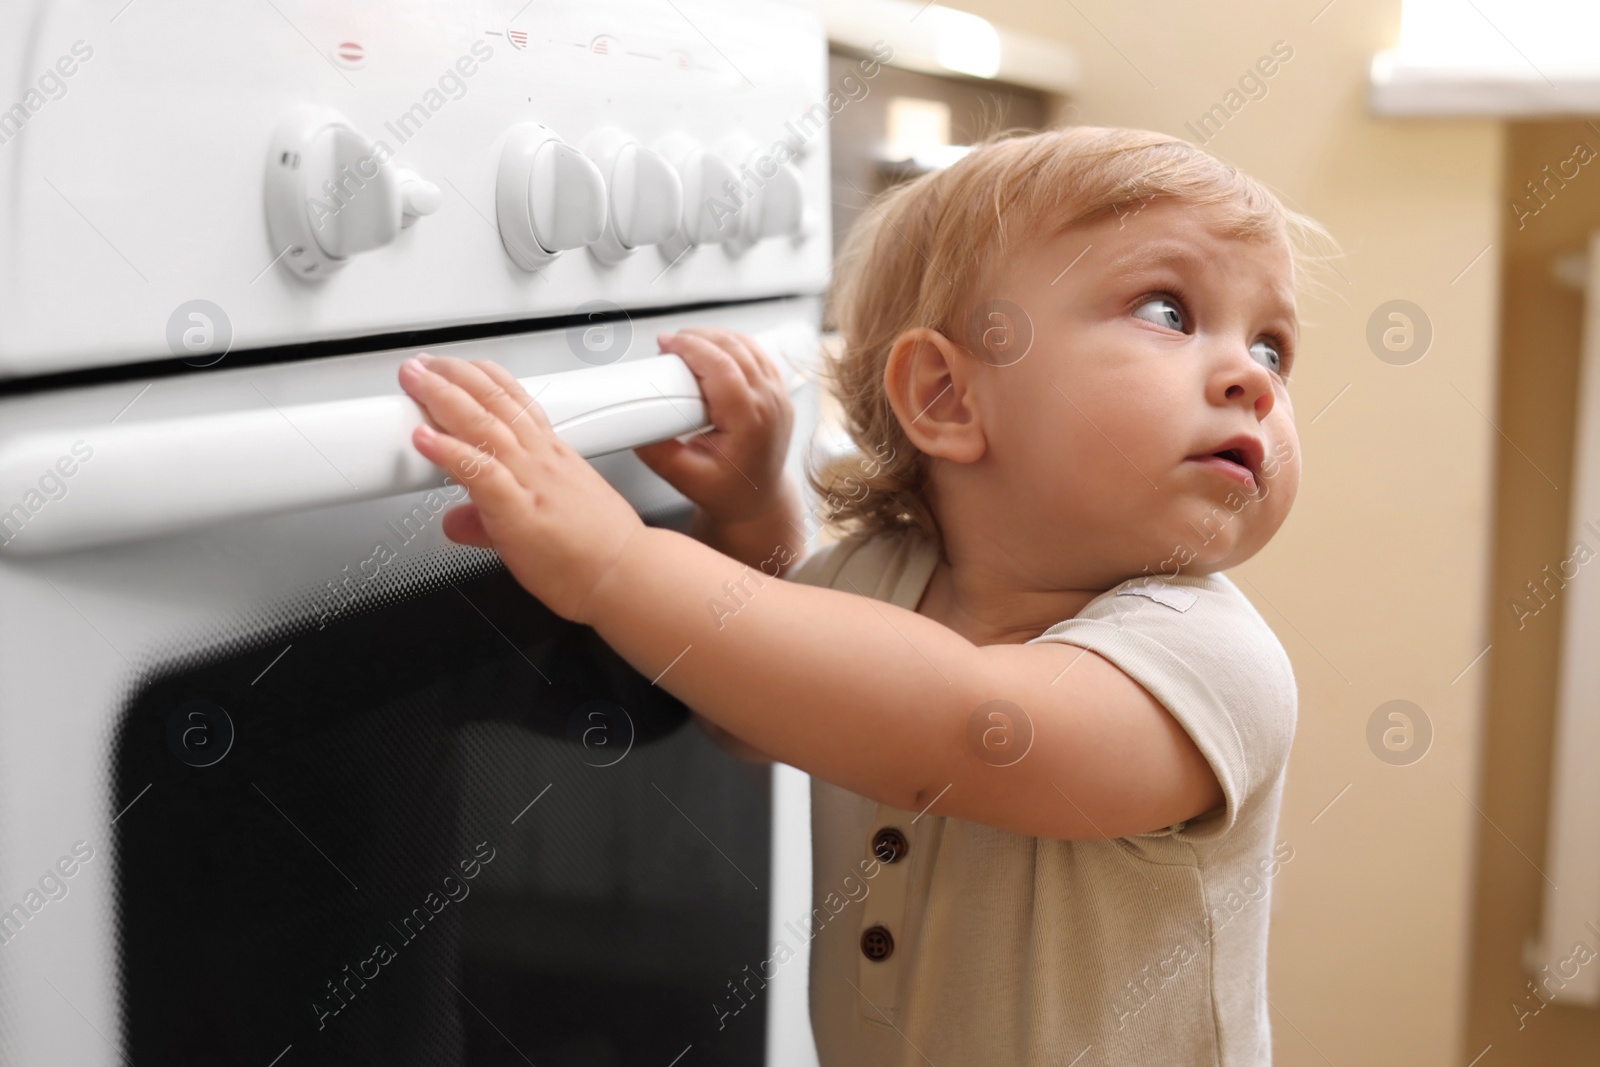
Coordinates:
<point>318,786</point>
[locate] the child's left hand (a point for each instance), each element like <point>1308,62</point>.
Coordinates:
<point>558,525</point>
<point>735,471</point>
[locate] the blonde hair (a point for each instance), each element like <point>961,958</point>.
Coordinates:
<point>923,251</point>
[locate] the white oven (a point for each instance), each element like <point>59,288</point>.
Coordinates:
<point>286,777</point>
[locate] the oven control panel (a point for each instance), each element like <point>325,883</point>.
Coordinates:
<point>182,181</point>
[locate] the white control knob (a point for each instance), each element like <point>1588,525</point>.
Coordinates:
<point>331,193</point>
<point>772,191</point>
<point>644,194</point>
<point>710,201</point>
<point>782,203</point>
<point>549,197</point>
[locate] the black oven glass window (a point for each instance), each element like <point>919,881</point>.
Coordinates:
<point>450,830</point>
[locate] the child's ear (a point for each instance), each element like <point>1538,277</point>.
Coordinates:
<point>929,379</point>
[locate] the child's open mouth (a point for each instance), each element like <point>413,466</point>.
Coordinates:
<point>1238,458</point>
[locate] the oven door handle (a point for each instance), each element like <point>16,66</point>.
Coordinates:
<point>139,479</point>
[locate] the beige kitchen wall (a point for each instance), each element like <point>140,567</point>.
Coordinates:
<point>1378,584</point>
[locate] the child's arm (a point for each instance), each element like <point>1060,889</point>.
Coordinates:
<point>747,507</point>
<point>870,696</point>
<point>881,700</point>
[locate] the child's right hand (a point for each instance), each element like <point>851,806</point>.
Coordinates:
<point>735,471</point>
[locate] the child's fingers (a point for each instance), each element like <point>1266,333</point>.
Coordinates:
<point>726,388</point>
<point>486,390</point>
<point>500,394</point>
<point>464,525</point>
<point>730,343</point>
<point>527,407</point>
<point>493,486</point>
<point>456,410</point>
<point>680,463</point>
<point>768,364</point>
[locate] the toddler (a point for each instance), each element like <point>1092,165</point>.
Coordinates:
<point>1044,730</point>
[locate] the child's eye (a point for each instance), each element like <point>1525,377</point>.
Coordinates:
<point>1161,310</point>
<point>1267,352</point>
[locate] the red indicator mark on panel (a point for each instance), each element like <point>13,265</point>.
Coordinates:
<point>349,53</point>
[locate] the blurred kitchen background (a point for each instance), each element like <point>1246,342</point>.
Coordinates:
<point>1431,584</point>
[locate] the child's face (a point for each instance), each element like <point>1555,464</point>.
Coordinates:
<point>1162,342</point>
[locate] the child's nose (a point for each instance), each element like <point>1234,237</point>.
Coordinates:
<point>1239,375</point>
